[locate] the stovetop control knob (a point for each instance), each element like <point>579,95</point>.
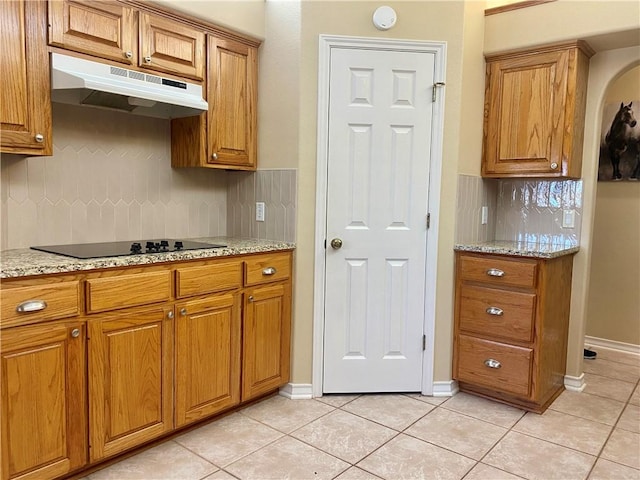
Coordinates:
<point>136,247</point>
<point>164,245</point>
<point>178,245</point>
<point>150,246</point>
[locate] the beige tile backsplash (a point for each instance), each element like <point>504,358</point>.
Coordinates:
<point>110,178</point>
<point>519,210</point>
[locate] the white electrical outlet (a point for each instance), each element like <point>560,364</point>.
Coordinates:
<point>260,211</point>
<point>568,218</point>
<point>485,215</point>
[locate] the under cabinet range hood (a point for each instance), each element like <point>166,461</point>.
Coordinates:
<point>84,82</point>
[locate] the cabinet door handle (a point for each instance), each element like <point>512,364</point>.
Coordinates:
<point>147,59</point>
<point>214,156</point>
<point>495,311</point>
<point>491,363</point>
<point>128,54</point>
<point>495,272</point>
<point>75,333</point>
<point>250,298</point>
<point>170,314</point>
<point>31,306</point>
<point>269,271</point>
<point>39,138</point>
<point>183,311</point>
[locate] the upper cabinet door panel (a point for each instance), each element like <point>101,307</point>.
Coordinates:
<point>105,29</point>
<point>25,104</point>
<point>233,79</point>
<point>171,47</point>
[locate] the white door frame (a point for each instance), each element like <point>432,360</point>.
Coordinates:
<point>326,43</point>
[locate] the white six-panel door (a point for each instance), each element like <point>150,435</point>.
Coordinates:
<point>378,157</point>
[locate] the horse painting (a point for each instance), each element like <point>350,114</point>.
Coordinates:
<point>619,138</point>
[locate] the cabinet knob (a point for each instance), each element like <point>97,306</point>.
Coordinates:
<point>250,298</point>
<point>495,311</point>
<point>147,59</point>
<point>128,54</point>
<point>31,306</point>
<point>554,166</point>
<point>214,156</point>
<point>75,333</point>
<point>491,363</point>
<point>183,311</point>
<point>170,314</point>
<point>495,272</point>
<point>39,138</point>
<point>269,271</point>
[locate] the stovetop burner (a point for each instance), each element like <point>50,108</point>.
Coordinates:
<point>118,249</point>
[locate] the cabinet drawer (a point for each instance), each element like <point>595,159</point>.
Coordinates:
<point>511,374</point>
<point>208,278</point>
<point>499,271</point>
<point>497,312</point>
<point>41,302</point>
<point>111,293</point>
<point>266,268</point>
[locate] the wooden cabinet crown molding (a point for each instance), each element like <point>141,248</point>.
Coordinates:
<point>538,49</point>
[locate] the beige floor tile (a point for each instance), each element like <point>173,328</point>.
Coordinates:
<point>228,439</point>
<point>336,400</point>
<point>606,470</point>
<point>287,458</point>
<point>287,415</point>
<point>344,435</point>
<point>567,430</point>
<point>355,473</point>
<point>617,356</point>
<point>591,407</point>
<point>483,409</point>
<point>487,472</point>
<point>630,419</point>
<point>220,475</point>
<point>607,387</point>
<point>536,459</point>
<point>406,457</point>
<point>623,447</point>
<point>164,462</point>
<point>606,368</point>
<point>426,398</point>
<point>394,411</point>
<point>460,433</point>
<point>635,398</point>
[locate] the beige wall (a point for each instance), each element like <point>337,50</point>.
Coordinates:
<point>613,301</point>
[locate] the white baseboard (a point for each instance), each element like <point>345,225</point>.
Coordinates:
<point>297,391</point>
<point>611,344</point>
<point>445,389</point>
<point>575,384</point>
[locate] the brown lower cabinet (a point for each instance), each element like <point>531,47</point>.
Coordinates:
<point>511,326</point>
<point>78,391</point>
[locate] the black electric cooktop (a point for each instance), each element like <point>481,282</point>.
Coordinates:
<point>118,249</point>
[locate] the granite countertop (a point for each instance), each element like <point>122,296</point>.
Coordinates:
<point>26,262</point>
<point>518,249</point>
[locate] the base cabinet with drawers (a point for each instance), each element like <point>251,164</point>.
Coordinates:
<point>95,364</point>
<point>511,327</point>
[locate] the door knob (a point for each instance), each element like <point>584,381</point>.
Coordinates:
<point>336,243</point>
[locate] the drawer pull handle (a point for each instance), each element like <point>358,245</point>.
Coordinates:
<point>495,272</point>
<point>491,363</point>
<point>31,306</point>
<point>269,271</point>
<point>495,311</point>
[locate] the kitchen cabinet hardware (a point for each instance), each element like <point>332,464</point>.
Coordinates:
<point>128,55</point>
<point>147,59</point>
<point>214,156</point>
<point>250,298</point>
<point>31,306</point>
<point>170,314</point>
<point>75,333</point>
<point>535,103</point>
<point>491,363</point>
<point>495,272</point>
<point>495,311</point>
<point>269,271</point>
<point>39,138</point>
<point>183,311</point>
<point>336,243</point>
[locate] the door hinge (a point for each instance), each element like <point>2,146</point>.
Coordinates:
<point>424,342</point>
<point>435,86</point>
<point>325,243</point>
<point>428,220</point>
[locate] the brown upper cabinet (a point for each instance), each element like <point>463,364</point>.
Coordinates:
<point>226,136</point>
<point>25,98</point>
<point>535,102</point>
<point>120,33</point>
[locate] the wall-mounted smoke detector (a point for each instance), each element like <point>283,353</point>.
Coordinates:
<point>384,18</point>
